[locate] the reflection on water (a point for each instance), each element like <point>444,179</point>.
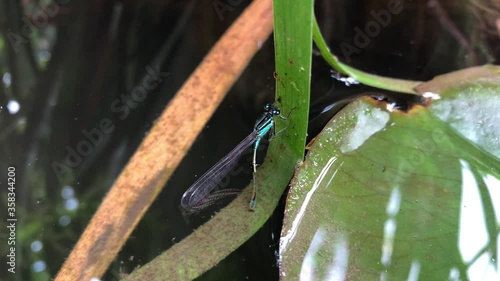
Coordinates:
<point>291,233</point>
<point>36,246</point>
<point>474,240</point>
<point>493,186</point>
<point>431,95</point>
<point>64,220</point>
<point>414,271</point>
<point>472,235</point>
<point>39,266</point>
<point>339,251</point>
<point>338,269</point>
<point>347,80</point>
<point>6,79</point>
<point>368,122</point>
<point>13,106</point>
<point>70,202</point>
<point>390,226</point>
<point>309,265</point>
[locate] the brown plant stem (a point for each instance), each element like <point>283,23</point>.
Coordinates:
<point>166,144</point>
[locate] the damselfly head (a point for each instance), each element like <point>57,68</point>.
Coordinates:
<point>271,108</point>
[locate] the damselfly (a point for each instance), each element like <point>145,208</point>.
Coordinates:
<point>199,194</point>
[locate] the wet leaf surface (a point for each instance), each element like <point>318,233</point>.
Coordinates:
<point>388,195</point>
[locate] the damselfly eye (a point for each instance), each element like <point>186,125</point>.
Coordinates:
<point>276,112</point>
<point>267,106</point>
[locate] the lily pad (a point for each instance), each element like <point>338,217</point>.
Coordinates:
<point>391,195</point>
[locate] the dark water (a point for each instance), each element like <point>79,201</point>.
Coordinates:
<point>64,75</point>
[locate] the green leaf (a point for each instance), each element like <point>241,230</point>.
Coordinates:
<point>389,195</point>
<point>235,224</point>
<point>293,49</point>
